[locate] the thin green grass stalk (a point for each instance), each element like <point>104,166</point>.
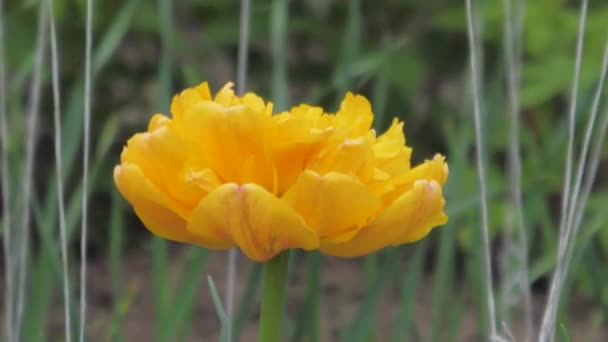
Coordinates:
<point>115,236</point>
<point>230,288</point>
<point>243,51</point>
<point>38,301</point>
<point>241,84</point>
<point>350,47</point>
<point>361,328</point>
<point>547,330</point>
<point>46,214</point>
<point>59,171</point>
<point>183,304</point>
<point>6,203</point>
<point>443,274</point>
<point>278,37</point>
<point>165,72</point>
<point>307,323</point>
<point>473,47</point>
<point>587,252</point>
<point>380,94</point>
<point>409,286</point>
<point>592,169</point>
<point>21,254</point>
<point>564,260</point>
<point>159,246</point>
<point>248,300</point>
<point>85,170</point>
<point>315,264</point>
<point>47,268</point>
<point>442,283</point>
<point>219,309</point>
<point>513,55</point>
<point>585,149</point>
<point>370,265</point>
<point>159,280</point>
<point>116,255</point>
<point>564,233</point>
<point>112,37</point>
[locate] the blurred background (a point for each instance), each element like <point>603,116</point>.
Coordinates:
<point>410,58</point>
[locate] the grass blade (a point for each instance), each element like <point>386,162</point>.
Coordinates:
<point>361,327</point>
<point>513,55</point>
<point>241,84</point>
<point>59,172</point>
<point>278,35</point>
<point>442,288</point>
<point>85,170</point>
<point>547,330</point>
<point>307,324</point>
<point>159,246</point>
<point>26,182</point>
<point>219,309</point>
<point>116,244</point>
<point>409,285</point>
<point>474,65</point>
<point>6,203</point>
<point>350,47</point>
<point>248,300</point>
<point>183,305</point>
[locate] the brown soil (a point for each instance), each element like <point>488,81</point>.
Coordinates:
<point>343,290</point>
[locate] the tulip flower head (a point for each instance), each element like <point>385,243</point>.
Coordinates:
<point>224,171</point>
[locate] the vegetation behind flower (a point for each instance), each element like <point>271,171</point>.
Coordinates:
<point>408,58</point>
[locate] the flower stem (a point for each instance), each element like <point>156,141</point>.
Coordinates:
<point>273,298</point>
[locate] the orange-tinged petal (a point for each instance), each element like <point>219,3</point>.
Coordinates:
<point>258,222</point>
<point>335,205</point>
<point>153,208</point>
<point>409,218</point>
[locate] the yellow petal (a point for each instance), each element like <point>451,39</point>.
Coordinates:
<point>409,218</point>
<point>225,137</point>
<point>226,95</point>
<point>334,205</point>
<point>162,156</point>
<point>390,152</point>
<point>355,116</point>
<point>157,121</point>
<point>436,169</point>
<point>295,136</point>
<point>258,222</point>
<point>353,156</point>
<point>153,208</point>
<point>189,98</point>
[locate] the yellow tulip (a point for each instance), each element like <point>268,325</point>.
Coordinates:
<point>224,171</point>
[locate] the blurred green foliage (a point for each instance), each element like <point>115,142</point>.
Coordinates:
<point>409,57</point>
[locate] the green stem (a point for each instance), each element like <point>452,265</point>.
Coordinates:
<point>273,298</point>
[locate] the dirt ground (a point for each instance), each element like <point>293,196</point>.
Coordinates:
<point>342,286</point>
